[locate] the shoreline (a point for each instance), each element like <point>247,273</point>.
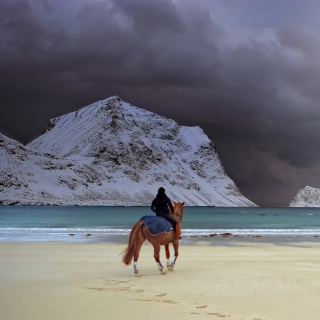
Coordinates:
<point>194,240</point>
<point>250,280</point>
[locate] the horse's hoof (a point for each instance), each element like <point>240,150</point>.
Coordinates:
<point>170,267</point>
<point>163,272</point>
<point>137,275</point>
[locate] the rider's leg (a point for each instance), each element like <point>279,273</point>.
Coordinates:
<point>177,229</point>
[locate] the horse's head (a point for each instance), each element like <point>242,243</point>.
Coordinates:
<point>178,209</point>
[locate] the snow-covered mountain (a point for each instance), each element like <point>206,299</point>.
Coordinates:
<point>112,153</point>
<point>306,197</point>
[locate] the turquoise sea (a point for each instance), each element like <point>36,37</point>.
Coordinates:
<point>75,223</point>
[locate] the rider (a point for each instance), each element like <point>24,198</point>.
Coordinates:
<point>162,206</point>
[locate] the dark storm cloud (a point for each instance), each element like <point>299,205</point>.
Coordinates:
<point>254,93</point>
<point>46,6</point>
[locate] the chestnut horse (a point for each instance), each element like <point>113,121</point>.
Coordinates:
<point>140,233</point>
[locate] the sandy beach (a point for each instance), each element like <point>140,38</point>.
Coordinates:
<point>245,280</point>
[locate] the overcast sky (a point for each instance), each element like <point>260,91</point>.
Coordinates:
<point>246,71</point>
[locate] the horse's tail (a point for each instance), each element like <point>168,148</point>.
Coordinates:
<point>128,253</point>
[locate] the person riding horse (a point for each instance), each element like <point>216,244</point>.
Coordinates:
<point>162,206</point>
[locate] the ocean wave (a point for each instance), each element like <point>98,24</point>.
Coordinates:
<point>126,232</point>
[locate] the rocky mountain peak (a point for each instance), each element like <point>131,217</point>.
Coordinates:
<point>112,153</point>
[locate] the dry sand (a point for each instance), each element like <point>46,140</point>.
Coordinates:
<point>55,280</point>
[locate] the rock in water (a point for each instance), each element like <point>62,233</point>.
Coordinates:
<point>306,197</point>
<point>112,153</point>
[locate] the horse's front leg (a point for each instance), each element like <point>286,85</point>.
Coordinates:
<point>176,252</point>
<point>169,264</point>
<point>168,255</point>
<point>157,257</point>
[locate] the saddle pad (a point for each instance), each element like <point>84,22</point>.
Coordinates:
<point>157,225</point>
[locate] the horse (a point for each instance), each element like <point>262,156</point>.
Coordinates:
<point>140,233</point>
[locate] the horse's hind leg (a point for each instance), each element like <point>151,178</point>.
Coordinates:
<point>141,238</point>
<point>157,257</point>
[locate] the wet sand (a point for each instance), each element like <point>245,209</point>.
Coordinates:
<point>212,280</point>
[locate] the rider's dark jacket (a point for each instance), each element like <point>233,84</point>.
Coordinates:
<point>162,207</point>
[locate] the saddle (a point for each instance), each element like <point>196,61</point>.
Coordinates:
<point>157,225</point>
